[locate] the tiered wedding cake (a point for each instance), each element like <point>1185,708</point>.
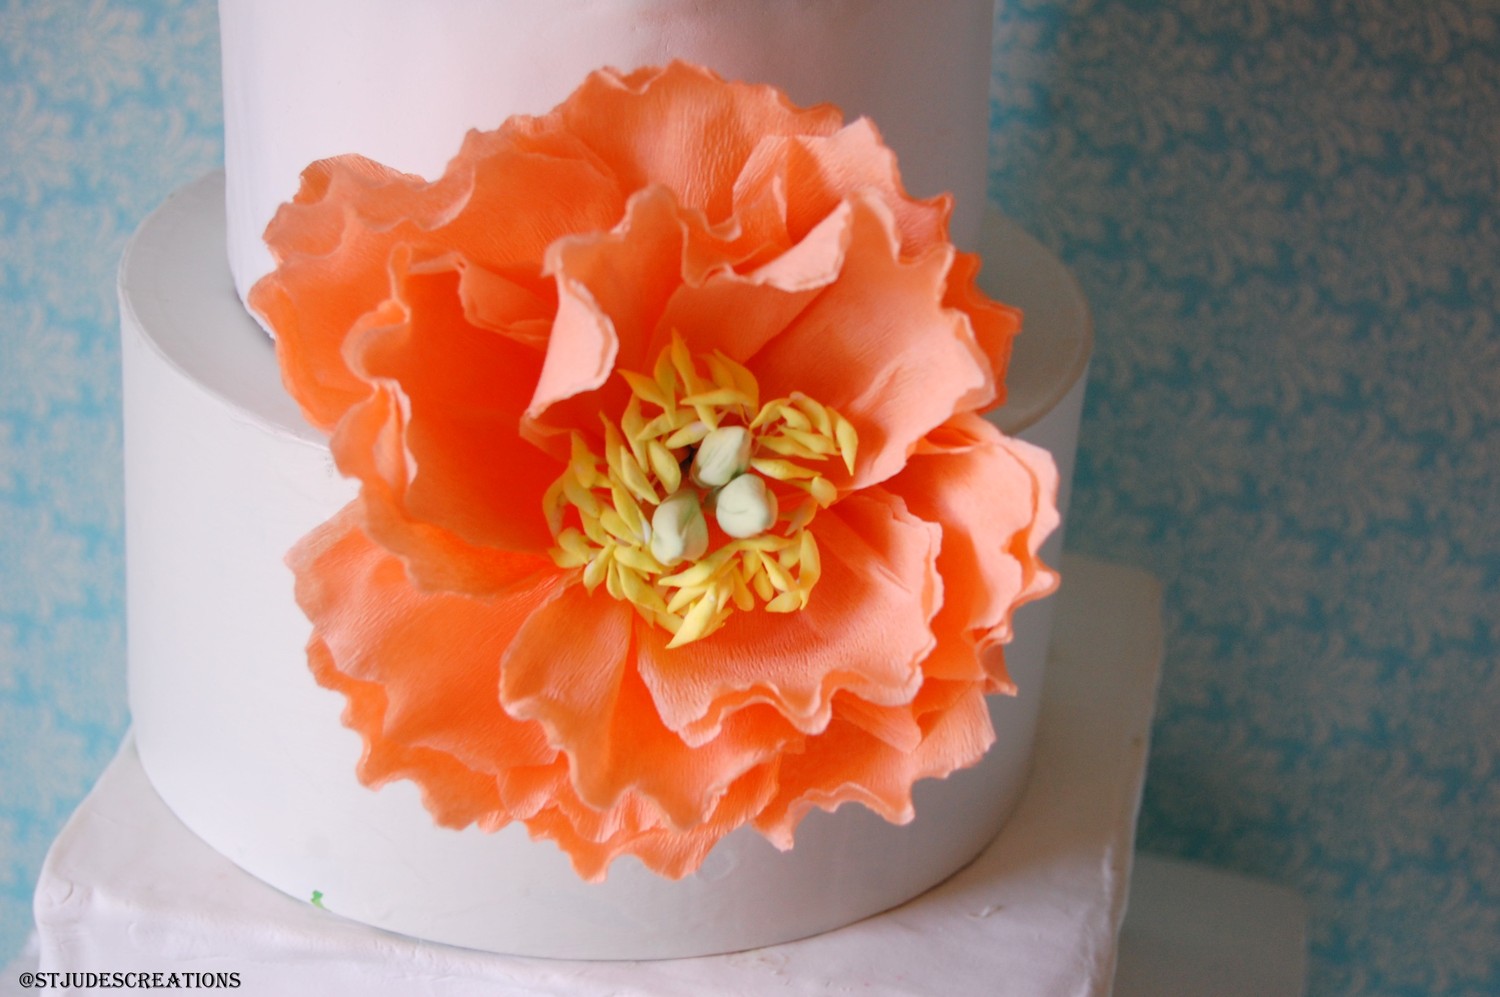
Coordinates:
<point>415,645</point>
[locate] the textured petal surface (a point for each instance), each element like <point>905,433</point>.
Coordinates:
<point>879,346</point>
<point>813,174</point>
<point>635,826</point>
<point>465,467</point>
<point>572,668</point>
<point>426,704</point>
<point>995,501</point>
<point>506,197</point>
<point>848,764</point>
<point>613,288</point>
<point>681,127</point>
<point>865,631</point>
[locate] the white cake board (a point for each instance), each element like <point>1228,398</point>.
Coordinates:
<point>127,886</point>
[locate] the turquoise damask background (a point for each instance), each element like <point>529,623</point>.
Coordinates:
<point>1285,215</point>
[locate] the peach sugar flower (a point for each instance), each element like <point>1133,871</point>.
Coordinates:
<point>676,512</point>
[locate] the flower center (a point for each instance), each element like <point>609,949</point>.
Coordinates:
<point>693,446</point>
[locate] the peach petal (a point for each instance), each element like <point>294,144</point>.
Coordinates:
<point>455,794</point>
<point>957,654</point>
<point>571,669</point>
<point>865,631</point>
<point>612,289</point>
<point>995,323</point>
<point>848,764</point>
<point>765,301</point>
<point>623,294</point>
<point>814,173</point>
<point>879,347</point>
<point>502,304</point>
<point>1038,580</point>
<point>351,197</point>
<point>757,232</point>
<point>436,559</point>
<point>684,128</point>
<point>581,350</point>
<point>329,271</point>
<point>427,708</point>
<point>505,197</point>
<point>893,725</point>
<point>761,310</point>
<point>527,184</point>
<point>528,791</point>
<point>594,839</point>
<point>467,468</point>
<point>904,727</point>
<point>995,500</point>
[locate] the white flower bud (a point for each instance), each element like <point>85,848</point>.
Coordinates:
<point>678,530</point>
<point>745,507</point>
<point>723,455</point>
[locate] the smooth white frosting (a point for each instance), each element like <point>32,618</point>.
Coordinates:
<point>402,81</point>
<point>222,477</point>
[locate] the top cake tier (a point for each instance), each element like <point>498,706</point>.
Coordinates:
<point>402,81</point>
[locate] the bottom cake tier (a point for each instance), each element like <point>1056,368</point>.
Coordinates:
<point>126,886</point>
<point>223,476</point>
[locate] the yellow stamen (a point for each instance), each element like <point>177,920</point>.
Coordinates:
<point>609,516</point>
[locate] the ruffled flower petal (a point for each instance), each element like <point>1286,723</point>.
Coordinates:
<point>811,175</point>
<point>994,499</point>
<point>505,197</point>
<point>682,128</point>
<point>879,346</point>
<point>426,705</point>
<point>865,632</point>
<point>572,669</point>
<point>466,465</point>
<point>995,323</point>
<point>612,289</point>
<point>624,293</point>
<point>593,838</point>
<point>849,764</point>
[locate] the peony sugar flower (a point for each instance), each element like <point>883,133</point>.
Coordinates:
<point>676,512</point>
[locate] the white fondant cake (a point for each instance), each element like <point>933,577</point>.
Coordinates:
<point>401,81</point>
<point>223,476</point>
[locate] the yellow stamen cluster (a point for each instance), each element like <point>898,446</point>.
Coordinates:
<point>600,511</point>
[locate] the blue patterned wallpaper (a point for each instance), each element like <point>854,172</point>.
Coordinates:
<point>104,109</point>
<point>1285,215</point>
